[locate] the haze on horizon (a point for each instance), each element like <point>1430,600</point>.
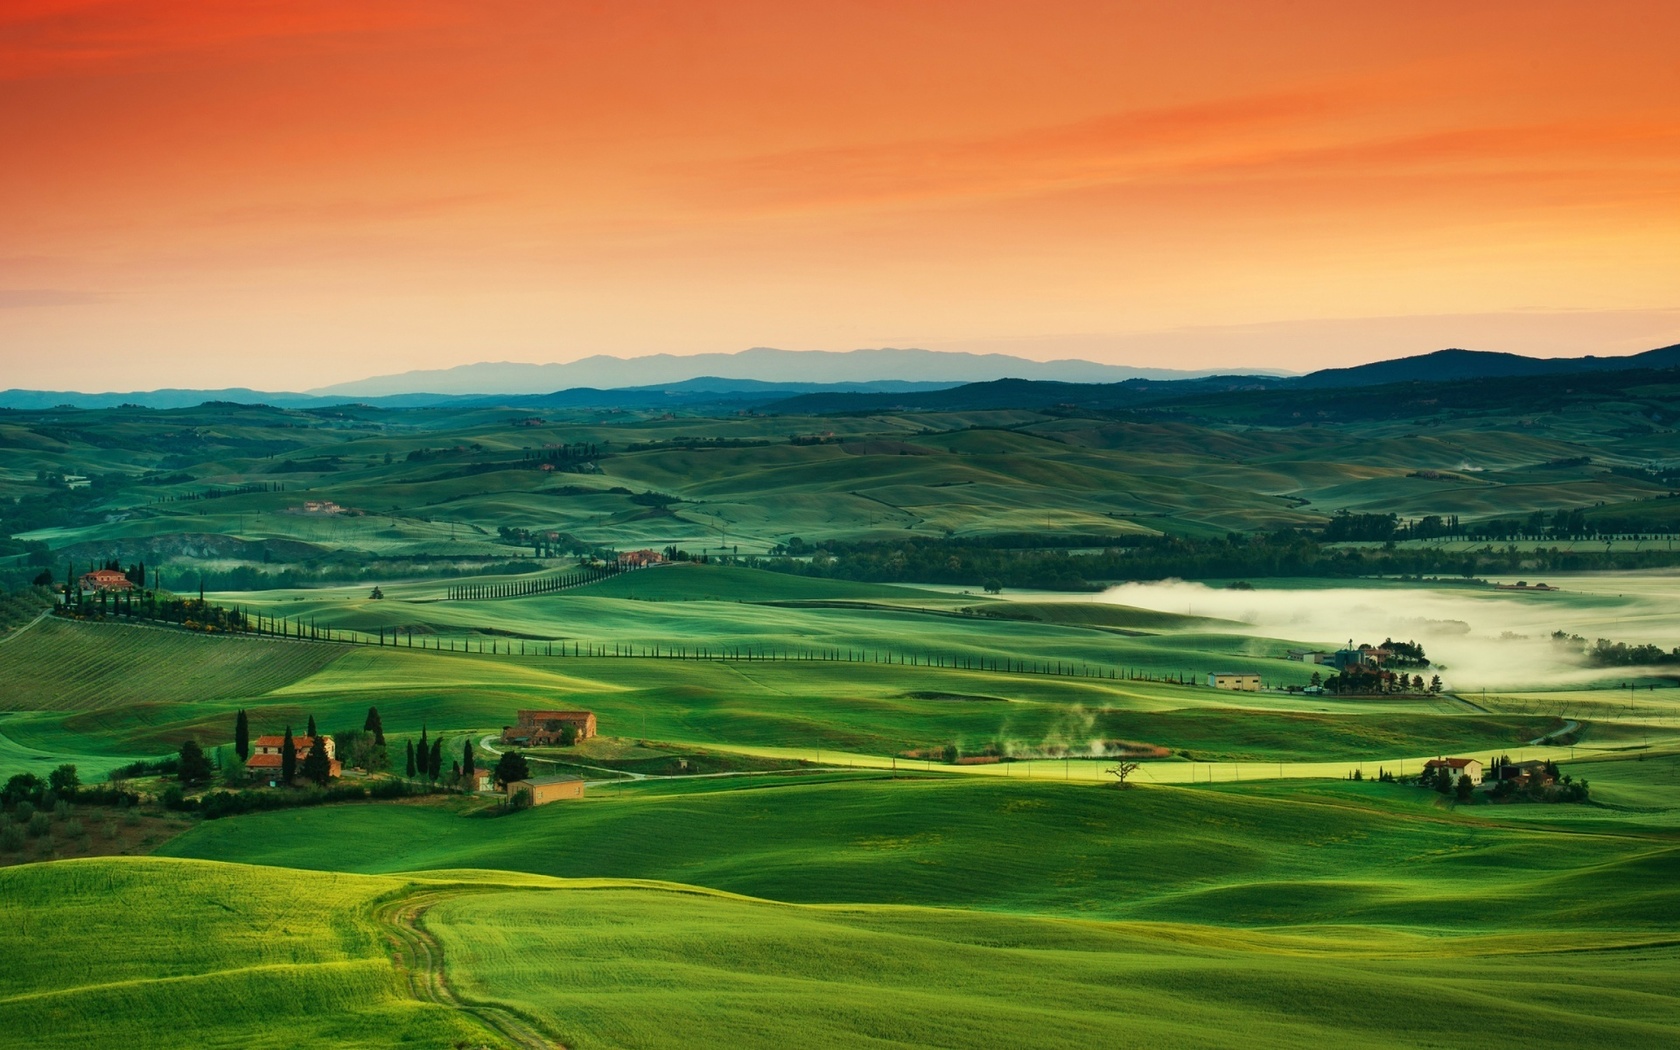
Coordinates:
<point>288,195</point>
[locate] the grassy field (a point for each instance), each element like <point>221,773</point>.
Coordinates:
<point>638,967</point>
<point>151,953</point>
<point>1243,895</point>
<point>258,957</point>
<point>66,666</point>
<point>1295,854</point>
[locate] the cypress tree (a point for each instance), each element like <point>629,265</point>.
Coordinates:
<point>411,760</point>
<point>434,766</point>
<point>424,749</point>
<point>242,736</point>
<point>375,726</point>
<point>311,731</point>
<point>316,765</point>
<point>467,767</point>
<point>288,758</point>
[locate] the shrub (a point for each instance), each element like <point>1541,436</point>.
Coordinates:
<point>11,838</point>
<point>111,830</point>
<point>61,810</point>
<point>24,811</point>
<point>39,825</point>
<point>74,829</point>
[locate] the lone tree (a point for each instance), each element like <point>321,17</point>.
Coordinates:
<point>1120,771</point>
<point>242,736</point>
<point>63,780</point>
<point>194,764</point>
<point>375,726</point>
<point>467,767</point>
<point>568,735</point>
<point>288,758</point>
<point>511,768</point>
<point>993,586</point>
<point>411,769</point>
<point>317,766</point>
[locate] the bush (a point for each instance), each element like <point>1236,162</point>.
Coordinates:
<point>74,829</point>
<point>61,810</point>
<point>24,811</point>
<point>40,824</point>
<point>11,838</point>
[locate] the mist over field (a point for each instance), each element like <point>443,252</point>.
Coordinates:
<point>1475,639</point>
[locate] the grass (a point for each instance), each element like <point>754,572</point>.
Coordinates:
<point>1298,855</point>
<point>144,953</point>
<point>614,967</point>
<point>61,665</point>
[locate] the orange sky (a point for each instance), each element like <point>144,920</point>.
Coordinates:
<point>292,193</point>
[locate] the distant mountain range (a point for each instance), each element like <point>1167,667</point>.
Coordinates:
<point>823,381</point>
<point>761,364</point>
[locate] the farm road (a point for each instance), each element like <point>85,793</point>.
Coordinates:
<point>44,614</point>
<point>621,775</point>
<point>420,957</point>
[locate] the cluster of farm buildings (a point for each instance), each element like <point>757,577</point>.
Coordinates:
<point>533,729</point>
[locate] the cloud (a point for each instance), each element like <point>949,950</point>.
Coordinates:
<point>48,38</point>
<point>21,298</point>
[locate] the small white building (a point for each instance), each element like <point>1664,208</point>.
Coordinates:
<point>1456,768</point>
<point>1242,682</point>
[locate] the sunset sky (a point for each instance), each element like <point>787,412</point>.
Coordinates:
<point>288,194</point>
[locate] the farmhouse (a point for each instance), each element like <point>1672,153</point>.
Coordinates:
<point>266,759</point>
<point>1242,682</point>
<point>1528,774</point>
<point>1310,656</point>
<point>537,728</point>
<point>548,789</point>
<point>105,580</point>
<point>1456,768</point>
<point>483,780</point>
<point>640,559</point>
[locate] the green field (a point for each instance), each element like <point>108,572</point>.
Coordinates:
<point>773,850</point>
<point>147,954</point>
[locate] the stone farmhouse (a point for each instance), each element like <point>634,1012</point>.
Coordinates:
<point>266,758</point>
<point>1456,768</point>
<point>640,559</point>
<point>105,580</point>
<point>540,728</point>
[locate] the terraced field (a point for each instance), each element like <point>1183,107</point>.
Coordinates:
<point>65,666</point>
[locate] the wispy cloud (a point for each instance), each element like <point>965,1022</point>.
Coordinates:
<point>48,38</point>
<point>22,298</point>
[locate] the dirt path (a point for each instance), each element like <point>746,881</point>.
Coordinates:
<point>1569,726</point>
<point>44,614</point>
<point>417,953</point>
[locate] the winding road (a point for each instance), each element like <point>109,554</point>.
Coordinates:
<point>417,953</point>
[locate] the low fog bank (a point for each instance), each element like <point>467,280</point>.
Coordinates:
<point>1476,639</point>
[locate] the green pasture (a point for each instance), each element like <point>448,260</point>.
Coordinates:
<point>1300,854</point>
<point>641,967</point>
<point>155,954</point>
<point>140,691</point>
